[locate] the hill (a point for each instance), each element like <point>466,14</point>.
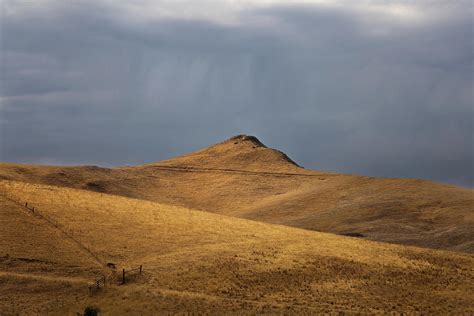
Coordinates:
<point>197,261</point>
<point>239,153</point>
<point>243,178</point>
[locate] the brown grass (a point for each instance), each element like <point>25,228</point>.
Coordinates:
<point>196,261</point>
<point>242,178</point>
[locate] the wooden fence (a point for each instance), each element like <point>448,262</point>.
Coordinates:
<point>74,235</point>
<point>98,284</point>
<point>135,271</point>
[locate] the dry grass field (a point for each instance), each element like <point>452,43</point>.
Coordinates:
<point>243,178</point>
<point>200,262</point>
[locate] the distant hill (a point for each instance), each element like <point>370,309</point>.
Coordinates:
<point>243,178</point>
<point>241,152</point>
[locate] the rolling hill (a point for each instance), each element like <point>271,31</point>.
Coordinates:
<point>200,262</point>
<point>241,177</point>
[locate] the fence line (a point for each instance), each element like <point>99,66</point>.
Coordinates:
<point>137,270</point>
<point>98,283</point>
<point>68,232</point>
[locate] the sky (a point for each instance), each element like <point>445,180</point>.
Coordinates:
<point>372,87</point>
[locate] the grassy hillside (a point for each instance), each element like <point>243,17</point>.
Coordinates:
<point>243,178</point>
<point>40,269</point>
<point>198,261</point>
<point>242,152</point>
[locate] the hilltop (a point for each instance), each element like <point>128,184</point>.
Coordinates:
<point>241,152</point>
<point>241,177</point>
<point>197,261</point>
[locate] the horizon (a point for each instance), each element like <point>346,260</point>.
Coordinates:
<point>365,88</point>
<point>227,139</point>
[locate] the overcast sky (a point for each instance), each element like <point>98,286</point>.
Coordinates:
<point>381,88</point>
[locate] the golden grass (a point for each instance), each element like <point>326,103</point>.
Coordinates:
<point>196,261</point>
<point>239,153</point>
<point>243,179</point>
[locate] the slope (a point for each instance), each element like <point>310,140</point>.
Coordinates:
<point>199,261</point>
<point>239,153</point>
<point>39,266</point>
<point>243,178</point>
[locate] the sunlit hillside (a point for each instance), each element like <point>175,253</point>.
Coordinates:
<point>199,261</point>
<point>243,178</point>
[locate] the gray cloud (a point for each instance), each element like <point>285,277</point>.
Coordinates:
<point>338,88</point>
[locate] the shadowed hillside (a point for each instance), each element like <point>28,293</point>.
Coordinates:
<point>243,178</point>
<point>197,261</point>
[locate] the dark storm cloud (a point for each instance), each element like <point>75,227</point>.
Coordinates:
<point>338,88</point>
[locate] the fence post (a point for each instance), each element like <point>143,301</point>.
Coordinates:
<point>140,269</point>
<point>123,276</point>
<point>26,204</point>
